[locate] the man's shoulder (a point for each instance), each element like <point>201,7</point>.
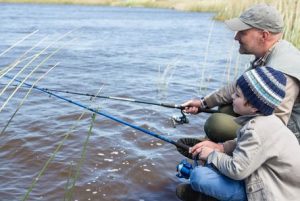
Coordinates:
<point>286,58</point>
<point>284,46</point>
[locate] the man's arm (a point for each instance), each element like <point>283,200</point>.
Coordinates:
<point>284,110</point>
<point>221,96</point>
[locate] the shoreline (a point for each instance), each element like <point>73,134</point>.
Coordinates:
<point>187,5</point>
<point>223,9</point>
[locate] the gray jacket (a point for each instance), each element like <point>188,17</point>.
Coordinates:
<point>265,155</point>
<point>286,58</point>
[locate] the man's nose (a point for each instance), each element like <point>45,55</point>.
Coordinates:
<point>237,35</point>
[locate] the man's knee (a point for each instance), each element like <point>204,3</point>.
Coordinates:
<point>221,127</point>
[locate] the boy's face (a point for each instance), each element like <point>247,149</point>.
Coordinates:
<point>240,105</point>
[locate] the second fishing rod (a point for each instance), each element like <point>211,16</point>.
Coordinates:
<point>163,138</point>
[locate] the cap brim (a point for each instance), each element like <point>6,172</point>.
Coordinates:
<point>236,24</point>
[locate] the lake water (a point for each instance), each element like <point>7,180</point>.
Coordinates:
<point>151,54</point>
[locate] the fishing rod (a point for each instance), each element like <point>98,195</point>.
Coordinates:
<point>177,144</point>
<point>168,105</point>
<point>175,119</point>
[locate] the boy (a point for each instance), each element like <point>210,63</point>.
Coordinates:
<point>262,163</point>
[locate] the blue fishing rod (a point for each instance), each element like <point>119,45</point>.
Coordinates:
<point>177,144</point>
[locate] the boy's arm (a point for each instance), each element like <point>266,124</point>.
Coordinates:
<point>229,146</point>
<point>247,157</point>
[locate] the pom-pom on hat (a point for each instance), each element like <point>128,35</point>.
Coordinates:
<point>263,87</point>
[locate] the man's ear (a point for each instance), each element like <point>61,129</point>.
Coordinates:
<point>266,35</point>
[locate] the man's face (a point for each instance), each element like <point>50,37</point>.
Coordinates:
<point>250,41</point>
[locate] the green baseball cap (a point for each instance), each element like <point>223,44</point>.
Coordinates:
<point>260,16</point>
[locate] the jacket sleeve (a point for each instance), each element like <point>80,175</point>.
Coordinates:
<point>284,110</point>
<point>247,157</point>
<point>221,96</point>
<point>229,146</point>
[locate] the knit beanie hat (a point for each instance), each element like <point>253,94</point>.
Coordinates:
<point>263,87</point>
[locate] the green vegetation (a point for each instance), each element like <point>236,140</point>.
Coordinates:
<point>225,9</point>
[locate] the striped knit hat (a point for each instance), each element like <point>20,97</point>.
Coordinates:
<point>263,87</point>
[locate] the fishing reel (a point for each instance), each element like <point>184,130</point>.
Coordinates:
<point>177,120</point>
<point>184,169</point>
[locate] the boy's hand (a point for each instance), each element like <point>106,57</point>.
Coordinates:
<point>204,152</point>
<point>207,143</point>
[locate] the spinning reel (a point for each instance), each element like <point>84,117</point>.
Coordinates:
<point>178,120</point>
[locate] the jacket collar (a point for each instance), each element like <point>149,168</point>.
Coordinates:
<point>261,61</point>
<point>242,120</point>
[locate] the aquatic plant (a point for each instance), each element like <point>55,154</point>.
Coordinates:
<point>70,189</point>
<point>165,77</point>
<point>9,68</point>
<point>55,152</point>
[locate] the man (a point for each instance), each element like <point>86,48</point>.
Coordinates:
<point>258,31</point>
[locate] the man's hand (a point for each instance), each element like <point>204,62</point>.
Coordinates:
<point>192,106</point>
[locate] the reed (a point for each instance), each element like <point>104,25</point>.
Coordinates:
<point>54,153</point>
<point>288,8</point>
<point>70,189</point>
<point>24,99</point>
<point>165,77</point>
<point>32,71</point>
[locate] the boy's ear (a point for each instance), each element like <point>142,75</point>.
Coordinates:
<point>253,109</point>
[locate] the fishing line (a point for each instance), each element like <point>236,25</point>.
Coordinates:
<point>177,144</point>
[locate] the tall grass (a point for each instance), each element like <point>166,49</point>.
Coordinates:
<point>288,8</point>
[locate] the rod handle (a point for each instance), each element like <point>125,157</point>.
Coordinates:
<point>207,110</point>
<point>170,105</point>
<point>182,146</point>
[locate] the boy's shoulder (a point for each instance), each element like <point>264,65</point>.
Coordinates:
<point>262,128</point>
<point>261,122</point>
